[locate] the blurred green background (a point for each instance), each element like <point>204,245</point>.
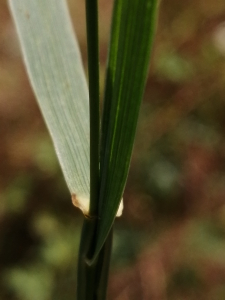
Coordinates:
<point>170,242</point>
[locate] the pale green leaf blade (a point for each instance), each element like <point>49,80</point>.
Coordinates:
<point>132,35</point>
<point>54,66</point>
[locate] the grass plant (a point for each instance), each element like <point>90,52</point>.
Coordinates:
<point>94,151</point>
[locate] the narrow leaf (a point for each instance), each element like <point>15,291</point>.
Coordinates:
<point>133,28</point>
<point>54,65</point>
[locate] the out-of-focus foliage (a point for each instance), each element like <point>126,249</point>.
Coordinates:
<point>170,243</point>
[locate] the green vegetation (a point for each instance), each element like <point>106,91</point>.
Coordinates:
<point>170,241</point>
<point>53,62</point>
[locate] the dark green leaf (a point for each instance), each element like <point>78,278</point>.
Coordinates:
<point>133,28</point>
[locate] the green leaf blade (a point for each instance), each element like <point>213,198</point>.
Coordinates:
<point>54,65</point>
<point>131,42</point>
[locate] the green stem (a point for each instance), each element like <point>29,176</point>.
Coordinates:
<point>92,279</point>
<point>103,267</point>
<point>86,285</point>
<point>93,74</point>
